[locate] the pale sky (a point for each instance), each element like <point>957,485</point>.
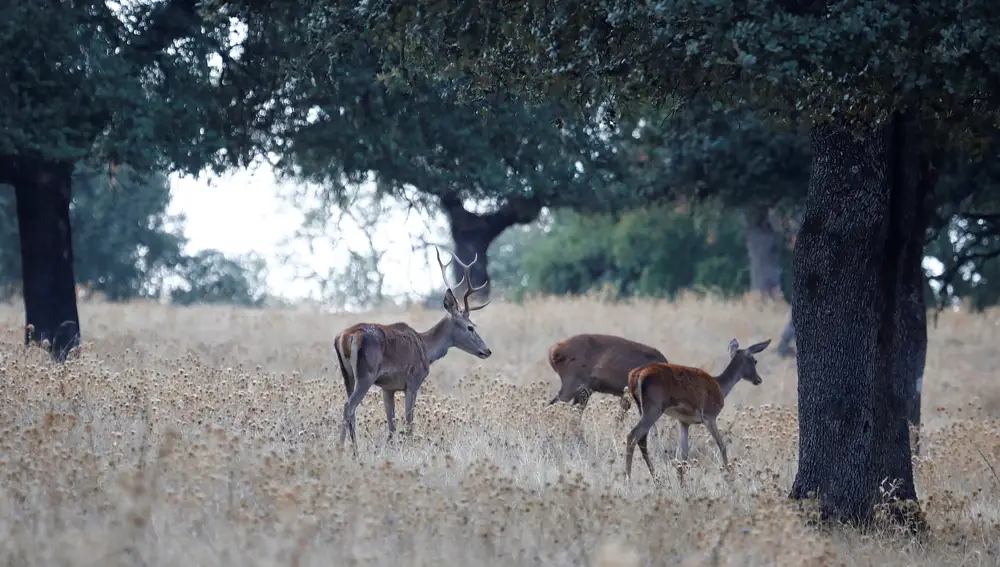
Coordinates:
<point>245,212</point>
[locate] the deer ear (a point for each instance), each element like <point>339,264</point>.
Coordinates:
<point>754,349</point>
<point>734,346</point>
<point>450,302</point>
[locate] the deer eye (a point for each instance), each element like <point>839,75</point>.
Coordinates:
<point>472,329</point>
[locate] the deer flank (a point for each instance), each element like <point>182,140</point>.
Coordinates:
<point>589,363</point>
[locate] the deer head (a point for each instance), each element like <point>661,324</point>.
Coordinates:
<point>747,369</point>
<point>463,331</point>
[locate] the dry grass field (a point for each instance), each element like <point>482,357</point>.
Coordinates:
<point>208,436</point>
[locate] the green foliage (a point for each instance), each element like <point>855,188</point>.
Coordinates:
<point>127,242</point>
<point>809,61</point>
<point>210,277</point>
<point>425,139</point>
<point>82,81</point>
<point>656,252</point>
<point>702,150</point>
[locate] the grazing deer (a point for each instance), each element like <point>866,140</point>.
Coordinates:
<point>596,363</point>
<point>396,357</point>
<point>689,395</point>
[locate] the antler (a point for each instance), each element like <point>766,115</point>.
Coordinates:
<point>444,270</point>
<point>466,277</point>
<point>470,290</point>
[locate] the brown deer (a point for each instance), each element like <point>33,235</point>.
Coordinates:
<point>687,394</point>
<point>589,363</point>
<point>398,358</point>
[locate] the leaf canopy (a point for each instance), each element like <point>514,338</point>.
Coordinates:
<point>795,60</point>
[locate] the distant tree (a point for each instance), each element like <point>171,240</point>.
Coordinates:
<point>654,252</point>
<point>210,277</point>
<point>358,282</point>
<point>507,254</point>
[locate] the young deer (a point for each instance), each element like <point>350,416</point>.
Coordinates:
<point>689,395</point>
<point>596,363</point>
<point>398,358</point>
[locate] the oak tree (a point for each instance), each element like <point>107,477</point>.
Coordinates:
<point>884,87</point>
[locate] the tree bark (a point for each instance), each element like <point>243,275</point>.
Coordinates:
<point>43,191</point>
<point>763,251</point>
<point>473,234</point>
<point>865,215</point>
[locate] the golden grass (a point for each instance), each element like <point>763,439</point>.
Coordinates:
<point>208,436</point>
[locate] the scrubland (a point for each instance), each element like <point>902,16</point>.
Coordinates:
<point>209,436</point>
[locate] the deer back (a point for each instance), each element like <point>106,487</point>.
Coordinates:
<point>605,357</point>
<point>396,348</point>
<point>671,384</point>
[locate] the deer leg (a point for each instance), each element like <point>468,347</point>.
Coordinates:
<point>410,399</point>
<point>645,453</point>
<point>714,430</point>
<point>389,400</point>
<point>567,391</point>
<point>682,443</point>
<point>361,388</point>
<point>639,432</point>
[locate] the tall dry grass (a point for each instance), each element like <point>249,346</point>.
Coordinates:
<point>208,436</point>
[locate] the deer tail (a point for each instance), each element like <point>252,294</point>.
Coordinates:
<point>350,378</point>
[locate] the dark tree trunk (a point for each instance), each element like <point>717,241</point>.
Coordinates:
<point>43,193</point>
<point>473,234</point>
<point>865,216</point>
<point>763,250</point>
<point>473,244</point>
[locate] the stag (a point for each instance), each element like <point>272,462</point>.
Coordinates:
<point>589,363</point>
<point>396,357</point>
<point>687,394</point>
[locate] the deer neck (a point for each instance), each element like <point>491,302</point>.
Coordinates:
<point>437,339</point>
<point>729,377</point>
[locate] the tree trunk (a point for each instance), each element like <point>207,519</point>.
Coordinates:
<point>473,234</point>
<point>43,191</point>
<point>763,250</point>
<point>865,215</point>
